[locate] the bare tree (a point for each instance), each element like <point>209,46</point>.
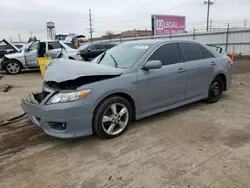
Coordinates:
<point>30,40</point>
<point>109,34</point>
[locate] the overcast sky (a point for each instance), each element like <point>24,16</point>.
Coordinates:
<point>23,16</point>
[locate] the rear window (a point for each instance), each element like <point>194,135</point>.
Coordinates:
<point>207,53</point>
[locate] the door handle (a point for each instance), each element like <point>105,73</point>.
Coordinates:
<point>213,63</point>
<point>181,70</point>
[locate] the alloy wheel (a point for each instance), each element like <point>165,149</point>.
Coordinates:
<point>13,67</point>
<point>115,119</point>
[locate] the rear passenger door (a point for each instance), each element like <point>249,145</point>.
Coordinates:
<point>165,86</point>
<point>200,64</point>
<point>54,49</point>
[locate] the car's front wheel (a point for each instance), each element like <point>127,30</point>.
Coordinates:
<point>13,67</point>
<point>112,117</point>
<point>215,90</point>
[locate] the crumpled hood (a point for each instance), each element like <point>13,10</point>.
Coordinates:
<point>60,70</point>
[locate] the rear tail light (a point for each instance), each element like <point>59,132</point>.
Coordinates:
<point>78,53</point>
<point>231,62</point>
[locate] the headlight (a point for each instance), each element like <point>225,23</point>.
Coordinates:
<point>67,97</point>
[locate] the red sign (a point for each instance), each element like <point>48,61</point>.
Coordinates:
<point>166,25</point>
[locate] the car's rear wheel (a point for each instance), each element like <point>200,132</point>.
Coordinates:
<point>13,67</point>
<point>215,90</point>
<point>112,117</point>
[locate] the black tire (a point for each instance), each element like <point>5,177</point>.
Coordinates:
<point>13,63</point>
<point>103,107</point>
<point>215,90</point>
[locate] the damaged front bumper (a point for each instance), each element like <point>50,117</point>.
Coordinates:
<point>62,120</point>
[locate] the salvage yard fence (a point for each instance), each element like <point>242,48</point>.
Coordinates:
<point>226,39</point>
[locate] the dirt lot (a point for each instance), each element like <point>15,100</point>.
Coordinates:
<point>198,145</point>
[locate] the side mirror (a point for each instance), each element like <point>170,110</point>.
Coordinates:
<point>153,64</point>
<point>88,49</point>
<point>26,49</point>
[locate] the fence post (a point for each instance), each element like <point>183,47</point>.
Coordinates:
<point>227,37</point>
<point>194,33</point>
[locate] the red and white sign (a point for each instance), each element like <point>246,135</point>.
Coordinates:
<point>166,25</point>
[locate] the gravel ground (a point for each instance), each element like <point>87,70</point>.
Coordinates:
<point>198,145</point>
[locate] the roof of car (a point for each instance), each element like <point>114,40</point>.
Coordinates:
<point>159,41</point>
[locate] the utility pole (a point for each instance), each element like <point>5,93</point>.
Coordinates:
<point>245,24</point>
<point>90,25</point>
<point>10,39</point>
<point>31,34</point>
<point>208,3</point>
<point>19,36</point>
<point>211,21</point>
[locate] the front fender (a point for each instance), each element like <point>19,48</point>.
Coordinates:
<point>21,60</point>
<point>126,84</point>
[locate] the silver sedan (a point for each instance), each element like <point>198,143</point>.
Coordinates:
<point>128,82</point>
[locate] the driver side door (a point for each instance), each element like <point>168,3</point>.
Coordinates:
<point>31,54</point>
<point>159,88</point>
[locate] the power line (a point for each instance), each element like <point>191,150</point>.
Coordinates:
<point>90,26</point>
<point>19,36</point>
<point>208,3</point>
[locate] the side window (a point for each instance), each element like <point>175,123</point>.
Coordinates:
<point>91,47</point>
<point>192,51</point>
<point>108,46</point>
<point>100,46</point>
<point>34,46</point>
<point>207,54</point>
<point>54,45</point>
<point>168,54</point>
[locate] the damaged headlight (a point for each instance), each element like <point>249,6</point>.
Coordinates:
<point>67,97</point>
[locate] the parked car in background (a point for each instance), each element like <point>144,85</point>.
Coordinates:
<point>7,48</point>
<point>91,50</point>
<point>27,57</point>
<point>130,81</point>
<point>19,45</point>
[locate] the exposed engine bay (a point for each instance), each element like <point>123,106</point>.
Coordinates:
<point>74,84</point>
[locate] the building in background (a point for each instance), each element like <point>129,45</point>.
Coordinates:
<point>125,34</point>
<point>136,33</point>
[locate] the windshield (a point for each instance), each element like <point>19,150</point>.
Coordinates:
<point>123,56</point>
